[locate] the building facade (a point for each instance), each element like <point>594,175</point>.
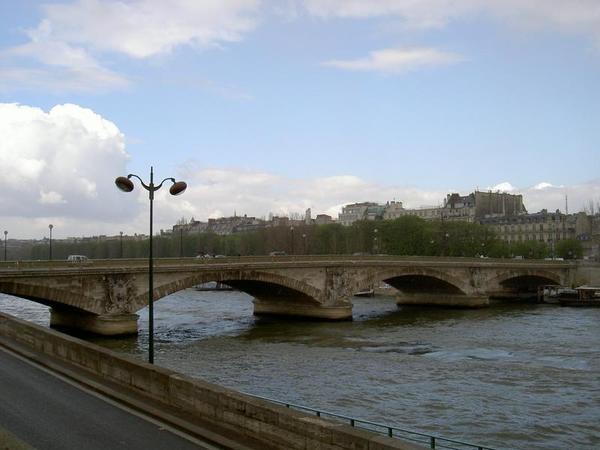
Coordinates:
<point>463,208</point>
<point>354,212</point>
<point>543,226</point>
<point>323,219</point>
<point>497,204</point>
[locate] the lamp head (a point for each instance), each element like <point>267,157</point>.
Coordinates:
<point>124,184</point>
<point>178,188</point>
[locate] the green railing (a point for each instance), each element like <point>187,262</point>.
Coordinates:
<point>427,440</point>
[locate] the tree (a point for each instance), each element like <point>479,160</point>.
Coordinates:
<point>529,249</point>
<point>569,249</point>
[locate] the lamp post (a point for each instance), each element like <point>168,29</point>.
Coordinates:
<point>304,243</point>
<point>50,249</point>
<point>375,247</point>
<point>121,244</point>
<point>5,234</point>
<point>126,185</point>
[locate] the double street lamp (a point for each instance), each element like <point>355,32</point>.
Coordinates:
<point>126,185</point>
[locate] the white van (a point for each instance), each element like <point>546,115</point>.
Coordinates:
<point>77,258</point>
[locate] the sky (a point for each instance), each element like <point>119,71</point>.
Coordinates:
<point>279,106</point>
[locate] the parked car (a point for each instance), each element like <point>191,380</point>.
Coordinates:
<point>277,253</point>
<point>77,258</point>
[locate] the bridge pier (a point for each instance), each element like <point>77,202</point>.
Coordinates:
<point>103,324</point>
<point>442,299</point>
<point>301,310</point>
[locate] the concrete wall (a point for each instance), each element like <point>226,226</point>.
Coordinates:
<point>253,422</point>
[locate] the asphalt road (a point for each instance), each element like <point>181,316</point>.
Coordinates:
<point>49,413</point>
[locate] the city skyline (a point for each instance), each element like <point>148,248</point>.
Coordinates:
<point>282,106</point>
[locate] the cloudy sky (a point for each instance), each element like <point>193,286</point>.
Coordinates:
<point>277,106</point>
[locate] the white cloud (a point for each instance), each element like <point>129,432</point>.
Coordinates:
<point>503,187</point>
<point>144,28</point>
<point>543,185</point>
<point>63,67</point>
<point>51,198</point>
<point>579,17</point>
<point>63,50</point>
<point>553,197</point>
<point>60,165</point>
<point>545,195</point>
<point>396,60</point>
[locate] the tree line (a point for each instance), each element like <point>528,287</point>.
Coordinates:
<point>407,235</point>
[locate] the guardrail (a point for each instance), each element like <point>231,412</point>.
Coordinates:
<point>428,440</point>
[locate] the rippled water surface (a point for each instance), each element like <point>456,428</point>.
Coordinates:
<point>509,376</point>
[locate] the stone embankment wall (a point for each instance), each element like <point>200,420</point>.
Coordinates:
<point>237,418</point>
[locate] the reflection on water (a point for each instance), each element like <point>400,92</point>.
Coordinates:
<point>509,376</point>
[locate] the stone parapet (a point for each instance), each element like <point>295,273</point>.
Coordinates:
<point>228,415</point>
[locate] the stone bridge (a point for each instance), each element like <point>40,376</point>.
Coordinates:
<point>103,296</point>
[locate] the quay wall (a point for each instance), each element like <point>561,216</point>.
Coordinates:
<point>224,416</point>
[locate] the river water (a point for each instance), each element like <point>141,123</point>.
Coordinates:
<point>512,376</point>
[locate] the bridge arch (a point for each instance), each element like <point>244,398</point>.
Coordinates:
<point>522,282</point>
<point>412,280</point>
<point>51,296</point>
<point>265,286</point>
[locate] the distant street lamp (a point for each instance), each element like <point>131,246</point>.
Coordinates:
<point>121,244</point>
<point>126,185</point>
<point>304,243</point>
<point>375,247</point>
<point>292,236</point>
<point>50,249</point>
<point>5,234</point>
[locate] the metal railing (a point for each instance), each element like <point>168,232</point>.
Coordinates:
<point>427,440</point>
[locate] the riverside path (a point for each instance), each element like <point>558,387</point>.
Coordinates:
<point>43,411</point>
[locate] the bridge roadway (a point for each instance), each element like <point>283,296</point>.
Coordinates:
<point>103,296</point>
<point>43,411</point>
